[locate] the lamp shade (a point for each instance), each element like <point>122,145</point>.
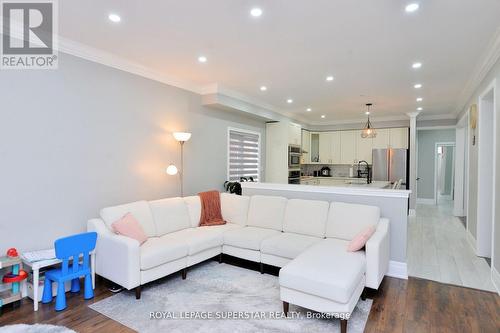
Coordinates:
<point>172,170</point>
<point>182,136</point>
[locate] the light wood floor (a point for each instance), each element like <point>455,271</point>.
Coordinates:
<point>438,249</point>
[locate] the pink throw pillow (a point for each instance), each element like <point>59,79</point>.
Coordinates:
<point>128,226</point>
<point>360,240</point>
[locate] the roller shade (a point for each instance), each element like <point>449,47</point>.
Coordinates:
<point>244,155</point>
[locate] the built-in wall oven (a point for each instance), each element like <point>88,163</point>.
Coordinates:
<point>294,153</point>
<point>294,176</point>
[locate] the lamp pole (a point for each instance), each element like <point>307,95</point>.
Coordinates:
<point>182,168</point>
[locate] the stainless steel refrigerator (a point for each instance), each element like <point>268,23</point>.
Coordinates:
<point>389,165</point>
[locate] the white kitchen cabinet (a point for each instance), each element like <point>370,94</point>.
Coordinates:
<point>398,138</point>
<point>306,147</point>
<point>336,148</point>
<point>364,148</point>
<point>325,147</point>
<point>314,152</point>
<point>381,141</point>
<point>348,147</point>
<point>294,134</point>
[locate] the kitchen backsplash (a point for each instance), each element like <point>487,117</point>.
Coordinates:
<point>337,170</point>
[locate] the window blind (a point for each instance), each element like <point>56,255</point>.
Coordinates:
<point>244,155</point>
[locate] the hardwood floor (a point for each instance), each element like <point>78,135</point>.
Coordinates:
<point>414,305</point>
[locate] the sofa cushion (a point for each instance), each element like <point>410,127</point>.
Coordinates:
<point>306,217</point>
<point>326,270</point>
<point>194,208</point>
<point>266,212</point>
<point>346,220</point>
<point>248,237</point>
<point>140,210</point>
<point>234,208</point>
<point>129,227</point>
<point>161,250</point>
<point>170,215</point>
<point>287,245</point>
<point>221,228</point>
<point>198,239</point>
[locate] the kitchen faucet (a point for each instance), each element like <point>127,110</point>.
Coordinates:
<point>367,171</point>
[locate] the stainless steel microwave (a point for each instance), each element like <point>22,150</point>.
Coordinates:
<point>294,153</point>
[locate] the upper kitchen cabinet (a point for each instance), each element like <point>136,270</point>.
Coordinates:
<point>336,148</point>
<point>348,147</point>
<point>325,147</point>
<point>314,152</point>
<point>364,148</point>
<point>381,141</point>
<point>398,138</point>
<point>294,134</point>
<point>306,147</point>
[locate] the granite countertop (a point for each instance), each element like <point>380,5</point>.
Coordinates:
<point>352,182</point>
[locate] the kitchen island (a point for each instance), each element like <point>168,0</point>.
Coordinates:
<point>343,182</point>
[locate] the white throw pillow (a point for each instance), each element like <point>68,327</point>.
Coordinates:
<point>170,215</point>
<point>194,208</point>
<point>346,220</point>
<point>234,208</point>
<point>267,212</point>
<point>140,210</point>
<point>306,217</point>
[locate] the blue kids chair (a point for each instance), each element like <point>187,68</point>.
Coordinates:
<point>66,248</point>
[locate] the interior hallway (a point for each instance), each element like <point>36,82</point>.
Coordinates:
<point>438,249</point>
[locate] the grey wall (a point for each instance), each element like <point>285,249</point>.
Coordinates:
<point>494,74</point>
<point>86,136</point>
<point>426,141</point>
<point>393,208</point>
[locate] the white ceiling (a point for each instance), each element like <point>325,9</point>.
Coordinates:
<point>368,46</point>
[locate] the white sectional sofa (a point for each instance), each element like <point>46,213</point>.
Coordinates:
<point>307,238</point>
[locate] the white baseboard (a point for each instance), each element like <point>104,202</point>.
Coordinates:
<point>412,212</point>
<point>471,240</point>
<point>495,277</point>
<point>397,269</point>
<point>425,201</point>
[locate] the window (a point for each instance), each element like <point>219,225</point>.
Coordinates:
<point>243,154</point>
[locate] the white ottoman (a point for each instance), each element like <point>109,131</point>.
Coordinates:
<point>325,278</point>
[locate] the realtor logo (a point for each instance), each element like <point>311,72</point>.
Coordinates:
<point>29,35</point>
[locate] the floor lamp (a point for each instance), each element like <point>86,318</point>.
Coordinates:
<point>172,169</point>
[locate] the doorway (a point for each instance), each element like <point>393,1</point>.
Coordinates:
<point>444,173</point>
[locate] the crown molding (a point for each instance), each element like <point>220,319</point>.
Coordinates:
<point>109,59</point>
<point>488,60</point>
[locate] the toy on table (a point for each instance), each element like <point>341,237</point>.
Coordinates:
<point>14,278</point>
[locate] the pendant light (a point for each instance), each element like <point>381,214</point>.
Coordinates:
<point>368,131</point>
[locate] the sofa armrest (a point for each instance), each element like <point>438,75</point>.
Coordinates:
<point>378,254</point>
<point>117,257</point>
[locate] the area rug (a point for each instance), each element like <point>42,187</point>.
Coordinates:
<point>218,298</point>
<point>37,328</point>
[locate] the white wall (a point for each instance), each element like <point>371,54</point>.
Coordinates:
<point>86,136</point>
<point>494,73</point>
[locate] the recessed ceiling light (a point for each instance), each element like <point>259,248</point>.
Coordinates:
<point>308,109</point>
<point>419,99</point>
<point>420,109</point>
<point>329,78</point>
<point>417,86</point>
<point>289,101</point>
<point>256,12</point>
<point>323,116</point>
<point>412,7</point>
<point>416,65</point>
<point>263,88</point>
<point>202,59</point>
<point>114,18</point>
